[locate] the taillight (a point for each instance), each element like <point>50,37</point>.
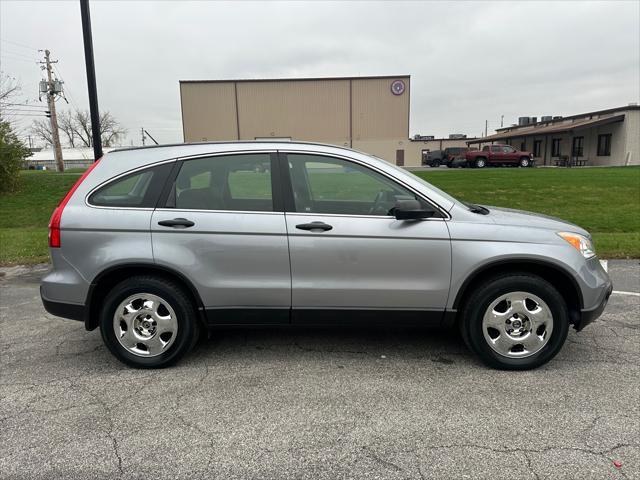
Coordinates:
<point>54,223</point>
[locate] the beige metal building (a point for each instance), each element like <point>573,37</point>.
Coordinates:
<point>604,137</point>
<point>370,114</point>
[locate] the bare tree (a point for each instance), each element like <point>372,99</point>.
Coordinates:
<point>9,88</point>
<point>42,130</point>
<point>67,125</point>
<point>76,126</point>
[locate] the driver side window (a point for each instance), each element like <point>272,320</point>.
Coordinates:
<point>339,187</point>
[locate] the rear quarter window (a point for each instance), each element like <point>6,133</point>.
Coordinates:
<point>140,189</point>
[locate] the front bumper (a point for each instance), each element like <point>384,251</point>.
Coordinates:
<point>588,316</point>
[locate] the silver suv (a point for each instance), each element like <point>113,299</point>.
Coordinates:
<point>152,245</point>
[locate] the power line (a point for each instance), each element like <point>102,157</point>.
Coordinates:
<point>21,105</point>
<point>18,59</point>
<point>18,54</point>
<point>19,44</point>
<point>59,75</point>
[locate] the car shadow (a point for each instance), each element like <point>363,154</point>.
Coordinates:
<point>442,346</point>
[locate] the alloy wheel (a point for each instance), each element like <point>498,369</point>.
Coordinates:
<point>517,324</point>
<point>145,324</point>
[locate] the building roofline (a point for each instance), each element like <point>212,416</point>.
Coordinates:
<point>572,117</point>
<point>229,142</point>
<point>443,138</point>
<point>298,79</point>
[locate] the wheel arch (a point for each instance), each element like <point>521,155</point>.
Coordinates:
<point>108,278</point>
<point>560,278</point>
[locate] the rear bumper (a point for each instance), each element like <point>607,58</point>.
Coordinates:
<point>588,316</point>
<point>71,311</point>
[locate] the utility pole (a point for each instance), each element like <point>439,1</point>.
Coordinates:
<point>91,79</point>
<point>142,134</point>
<point>501,121</point>
<point>51,102</point>
<point>486,126</point>
<point>149,135</point>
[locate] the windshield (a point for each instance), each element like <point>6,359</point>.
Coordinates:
<point>424,182</point>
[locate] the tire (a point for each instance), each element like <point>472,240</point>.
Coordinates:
<point>484,306</point>
<point>525,162</point>
<point>435,163</point>
<point>480,162</point>
<point>170,309</point>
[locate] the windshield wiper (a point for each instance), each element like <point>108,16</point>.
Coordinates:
<point>477,208</point>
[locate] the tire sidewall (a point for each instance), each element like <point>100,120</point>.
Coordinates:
<point>481,163</point>
<point>185,317</point>
<point>537,286</point>
<point>524,162</point>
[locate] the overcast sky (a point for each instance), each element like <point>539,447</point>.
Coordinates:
<point>468,61</point>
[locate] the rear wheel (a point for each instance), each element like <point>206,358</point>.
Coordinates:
<point>481,162</point>
<point>435,163</point>
<point>525,162</point>
<point>515,322</point>
<point>148,322</point>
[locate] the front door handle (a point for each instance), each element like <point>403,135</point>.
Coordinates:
<point>314,226</point>
<point>177,223</point>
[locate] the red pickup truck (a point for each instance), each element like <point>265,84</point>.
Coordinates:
<point>498,155</point>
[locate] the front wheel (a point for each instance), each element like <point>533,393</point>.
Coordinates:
<point>435,163</point>
<point>525,162</point>
<point>148,322</point>
<point>515,322</point>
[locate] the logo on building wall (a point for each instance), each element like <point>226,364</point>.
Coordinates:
<point>397,87</point>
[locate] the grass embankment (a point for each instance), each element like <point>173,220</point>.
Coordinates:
<point>24,215</point>
<point>605,201</point>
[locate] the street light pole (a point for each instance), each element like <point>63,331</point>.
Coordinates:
<point>91,79</point>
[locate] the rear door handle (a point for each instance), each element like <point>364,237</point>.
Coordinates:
<point>177,223</point>
<point>314,226</point>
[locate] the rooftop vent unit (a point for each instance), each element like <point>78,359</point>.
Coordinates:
<point>557,117</point>
<point>546,118</point>
<point>533,120</point>
<point>457,136</point>
<point>523,121</point>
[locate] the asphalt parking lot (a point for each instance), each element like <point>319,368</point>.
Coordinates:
<point>315,403</point>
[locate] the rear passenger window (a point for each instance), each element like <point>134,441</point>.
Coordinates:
<point>229,182</point>
<point>138,190</point>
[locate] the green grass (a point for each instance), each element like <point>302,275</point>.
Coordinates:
<point>24,215</point>
<point>605,201</point>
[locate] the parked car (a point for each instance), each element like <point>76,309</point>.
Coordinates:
<point>451,153</point>
<point>499,155</point>
<point>434,158</point>
<point>459,162</point>
<point>153,245</point>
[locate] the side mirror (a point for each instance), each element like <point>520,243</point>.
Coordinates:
<point>411,210</point>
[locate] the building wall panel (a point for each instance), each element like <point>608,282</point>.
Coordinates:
<point>315,110</point>
<point>208,111</point>
<point>378,113</point>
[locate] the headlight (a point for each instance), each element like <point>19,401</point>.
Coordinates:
<point>580,243</point>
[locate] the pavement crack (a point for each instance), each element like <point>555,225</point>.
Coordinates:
<point>369,452</point>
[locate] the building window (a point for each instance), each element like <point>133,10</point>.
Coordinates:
<point>537,147</point>
<point>523,146</point>
<point>555,147</point>
<point>578,147</point>
<point>604,145</point>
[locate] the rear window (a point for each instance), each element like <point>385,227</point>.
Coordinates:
<point>136,190</point>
